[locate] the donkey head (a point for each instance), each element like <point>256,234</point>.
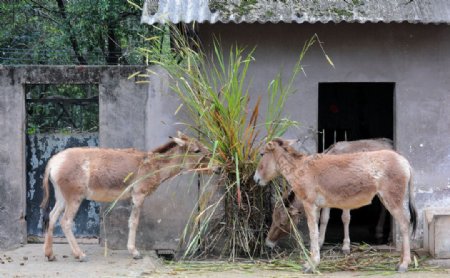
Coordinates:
<point>267,168</point>
<point>192,153</point>
<point>282,214</point>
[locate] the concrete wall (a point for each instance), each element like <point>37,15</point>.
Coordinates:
<point>414,56</point>
<point>13,228</point>
<point>138,115</point>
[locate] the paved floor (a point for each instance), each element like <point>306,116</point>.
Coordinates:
<point>29,261</point>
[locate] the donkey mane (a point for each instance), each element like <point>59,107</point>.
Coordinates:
<point>290,150</point>
<point>278,140</point>
<point>165,148</point>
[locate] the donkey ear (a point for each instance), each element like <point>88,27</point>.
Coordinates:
<point>181,135</point>
<point>290,142</point>
<point>270,146</point>
<point>179,141</point>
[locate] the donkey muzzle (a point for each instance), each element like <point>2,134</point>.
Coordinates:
<point>258,180</point>
<point>270,243</point>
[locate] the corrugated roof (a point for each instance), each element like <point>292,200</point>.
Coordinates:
<point>298,11</point>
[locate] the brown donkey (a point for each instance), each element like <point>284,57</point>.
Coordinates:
<point>103,175</point>
<point>281,224</point>
<point>345,181</point>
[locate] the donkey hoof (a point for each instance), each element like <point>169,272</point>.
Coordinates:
<point>137,256</point>
<point>307,268</point>
<point>401,268</point>
<point>83,258</point>
<point>346,251</point>
<point>51,258</point>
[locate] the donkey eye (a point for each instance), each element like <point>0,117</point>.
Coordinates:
<point>261,154</point>
<point>197,151</point>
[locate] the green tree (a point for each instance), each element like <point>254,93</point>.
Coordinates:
<point>72,32</point>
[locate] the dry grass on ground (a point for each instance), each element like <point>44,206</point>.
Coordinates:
<point>363,258</point>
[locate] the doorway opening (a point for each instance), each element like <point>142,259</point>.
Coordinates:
<point>348,112</point>
<point>58,116</point>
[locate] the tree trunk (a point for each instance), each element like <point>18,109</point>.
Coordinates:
<point>114,50</point>
<point>72,38</point>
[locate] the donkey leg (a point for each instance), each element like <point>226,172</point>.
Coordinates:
<point>54,215</point>
<point>133,223</point>
<point>311,215</point>
<point>403,223</point>
<point>66,225</point>
<point>380,225</point>
<point>324,217</point>
<point>346,221</point>
<point>396,210</point>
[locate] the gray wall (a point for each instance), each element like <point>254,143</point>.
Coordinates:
<point>416,57</point>
<point>13,228</point>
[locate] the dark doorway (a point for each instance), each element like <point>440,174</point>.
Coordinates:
<point>353,111</point>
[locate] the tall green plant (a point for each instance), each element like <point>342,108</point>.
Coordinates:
<point>214,90</point>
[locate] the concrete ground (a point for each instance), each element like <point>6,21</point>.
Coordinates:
<point>29,261</point>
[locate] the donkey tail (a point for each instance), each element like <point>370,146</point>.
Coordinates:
<point>412,205</point>
<point>45,199</point>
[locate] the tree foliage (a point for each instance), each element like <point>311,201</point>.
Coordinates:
<point>66,108</point>
<point>72,32</point>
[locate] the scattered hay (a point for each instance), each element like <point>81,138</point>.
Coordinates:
<point>364,258</point>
